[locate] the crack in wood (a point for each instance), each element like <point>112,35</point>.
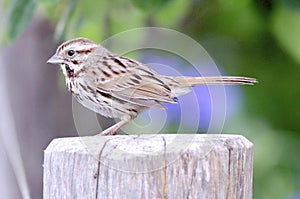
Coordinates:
<point>165,194</point>
<point>99,163</point>
<point>229,171</point>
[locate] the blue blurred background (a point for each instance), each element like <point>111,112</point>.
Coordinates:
<point>256,38</point>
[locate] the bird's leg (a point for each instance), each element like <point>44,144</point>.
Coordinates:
<point>113,130</point>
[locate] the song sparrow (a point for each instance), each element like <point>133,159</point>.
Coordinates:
<point>119,87</point>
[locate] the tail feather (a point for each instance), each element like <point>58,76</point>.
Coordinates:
<point>181,85</point>
<point>193,81</point>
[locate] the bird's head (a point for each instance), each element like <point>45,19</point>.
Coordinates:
<point>72,55</point>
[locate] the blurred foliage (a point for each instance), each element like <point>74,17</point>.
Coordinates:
<point>259,38</point>
<point>20,13</point>
<point>150,5</point>
<point>286,28</point>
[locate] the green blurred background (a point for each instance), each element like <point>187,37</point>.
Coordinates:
<point>257,38</point>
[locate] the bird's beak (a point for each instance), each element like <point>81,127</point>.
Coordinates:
<point>55,59</point>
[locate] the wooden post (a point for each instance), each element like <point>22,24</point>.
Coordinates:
<point>149,166</point>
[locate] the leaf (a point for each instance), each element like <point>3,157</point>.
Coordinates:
<point>19,15</point>
<point>149,5</point>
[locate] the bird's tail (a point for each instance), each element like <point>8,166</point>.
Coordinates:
<point>181,85</point>
<point>193,81</point>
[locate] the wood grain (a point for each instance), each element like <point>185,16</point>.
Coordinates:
<point>149,166</point>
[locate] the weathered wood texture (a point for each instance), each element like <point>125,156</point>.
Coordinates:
<point>149,166</point>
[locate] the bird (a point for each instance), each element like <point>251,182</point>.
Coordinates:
<point>116,86</point>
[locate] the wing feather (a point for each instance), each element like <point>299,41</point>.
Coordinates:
<point>127,79</point>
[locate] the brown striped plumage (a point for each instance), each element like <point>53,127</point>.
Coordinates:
<point>119,87</point>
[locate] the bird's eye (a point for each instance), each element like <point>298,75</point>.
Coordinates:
<point>71,52</point>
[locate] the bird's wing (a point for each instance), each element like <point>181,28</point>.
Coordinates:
<point>128,80</point>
